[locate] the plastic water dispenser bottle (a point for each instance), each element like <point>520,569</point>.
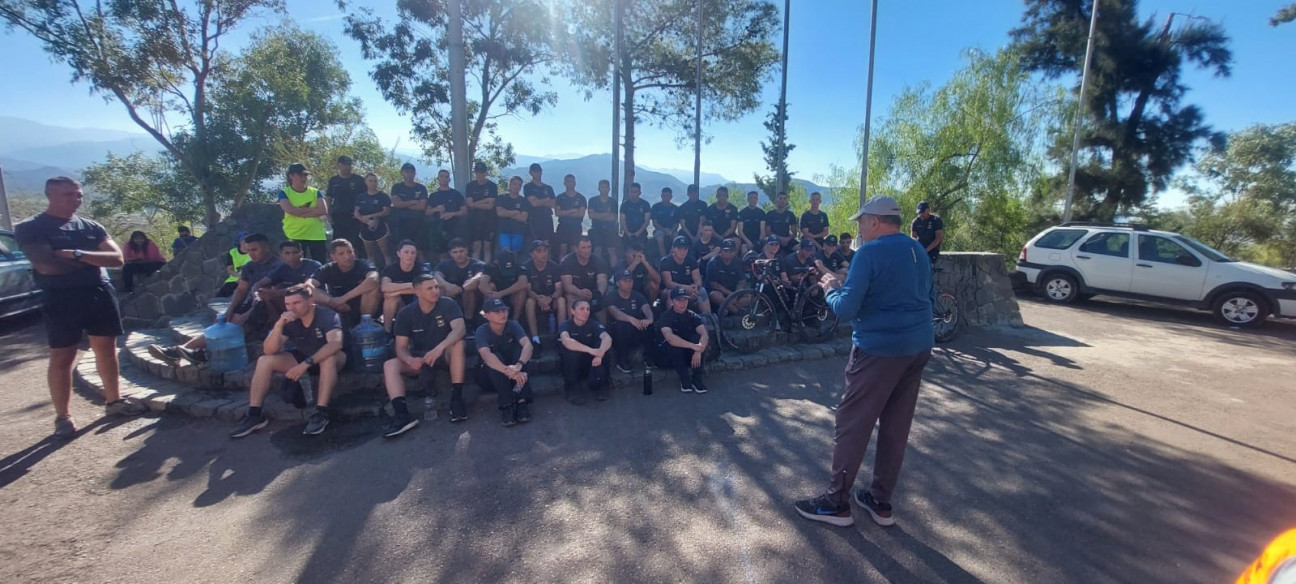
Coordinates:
<point>226,350</point>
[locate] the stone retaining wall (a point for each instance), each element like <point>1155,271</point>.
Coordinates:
<point>981,284</point>
<point>186,283</point>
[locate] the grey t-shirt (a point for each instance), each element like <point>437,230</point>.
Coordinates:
<point>58,233</point>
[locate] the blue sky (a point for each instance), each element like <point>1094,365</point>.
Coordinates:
<point>918,41</point>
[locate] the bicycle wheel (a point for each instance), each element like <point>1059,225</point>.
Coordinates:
<point>815,318</point>
<point>743,314</point>
<point>945,317</point>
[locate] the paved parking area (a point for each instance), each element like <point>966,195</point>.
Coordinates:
<point>1108,442</point>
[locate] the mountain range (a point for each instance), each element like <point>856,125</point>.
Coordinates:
<point>31,152</point>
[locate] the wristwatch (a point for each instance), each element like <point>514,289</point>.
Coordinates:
<point>310,360</point>
<point>77,254</point>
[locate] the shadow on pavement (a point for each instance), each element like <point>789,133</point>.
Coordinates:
<point>24,340</point>
<point>1275,333</point>
<point>1004,466</point>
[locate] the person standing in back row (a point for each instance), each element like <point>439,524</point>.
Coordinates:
<point>690,214</point>
<point>543,201</point>
<point>481,194</point>
<point>814,223</point>
<point>782,223</point>
<point>342,191</point>
<point>571,216</point>
<point>68,255</point>
<point>409,199</point>
<point>304,210</point>
<point>886,298</point>
<point>929,230</point>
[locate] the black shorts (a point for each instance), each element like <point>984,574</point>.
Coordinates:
<point>481,226</point>
<point>374,235</point>
<point>71,313</point>
<point>568,235</point>
<point>604,237</point>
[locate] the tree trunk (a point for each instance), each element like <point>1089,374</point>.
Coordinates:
<point>628,114</point>
<point>209,201</point>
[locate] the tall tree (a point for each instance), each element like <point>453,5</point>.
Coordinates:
<point>1284,15</point>
<point>770,149</point>
<point>286,88</point>
<point>507,44</point>
<point>155,57</point>
<point>658,59</point>
<point>1138,131</point>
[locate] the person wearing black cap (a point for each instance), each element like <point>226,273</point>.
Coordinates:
<point>604,222</point>
<point>545,297</point>
<point>630,315</point>
<point>480,194</point>
<point>800,263</point>
<point>636,214</point>
<point>342,191</point>
<point>680,270</point>
<point>571,216</point>
<point>684,339</point>
<point>304,210</point>
<point>724,273</point>
<point>690,214</point>
<point>513,212</point>
<point>409,199</point>
<point>814,223</point>
<point>830,260</point>
<point>429,336</point>
<point>583,344</point>
<point>751,224</point>
<point>929,229</point>
<point>542,199</point>
<point>887,299</point>
<point>505,350</point>
<point>647,280</point>
<point>723,216</point>
<point>505,279</point>
<point>444,215</point>
<point>585,277</point>
<point>782,222</point>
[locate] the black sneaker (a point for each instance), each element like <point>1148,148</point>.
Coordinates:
<point>880,512</point>
<point>508,416</point>
<point>316,424</point>
<point>195,356</point>
<point>399,424</point>
<point>624,368</point>
<point>458,411</point>
<point>686,388</point>
<point>249,425</point>
<point>698,386</point>
<point>820,509</point>
<point>169,355</point>
<point>522,413</point>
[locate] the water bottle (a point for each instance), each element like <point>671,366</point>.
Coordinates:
<point>647,380</point>
<point>553,323</point>
<point>371,340</point>
<point>429,409</point>
<point>226,351</point>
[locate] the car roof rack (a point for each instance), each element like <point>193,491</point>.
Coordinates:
<point>1133,226</point>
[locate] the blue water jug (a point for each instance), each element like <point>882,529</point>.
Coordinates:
<point>370,339</point>
<point>226,350</point>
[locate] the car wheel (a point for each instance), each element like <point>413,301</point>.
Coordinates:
<point>1240,309</point>
<point>1059,288</point>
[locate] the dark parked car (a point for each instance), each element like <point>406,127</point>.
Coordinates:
<point>18,291</point>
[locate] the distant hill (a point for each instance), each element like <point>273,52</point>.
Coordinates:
<point>20,134</point>
<point>28,178</point>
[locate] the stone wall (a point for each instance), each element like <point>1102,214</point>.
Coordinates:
<point>981,284</point>
<point>186,283</point>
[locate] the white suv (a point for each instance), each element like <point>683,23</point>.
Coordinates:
<point>1078,260</point>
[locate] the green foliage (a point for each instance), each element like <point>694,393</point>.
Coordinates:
<point>970,147</point>
<point>1284,15</point>
<point>658,60</point>
<point>768,184</point>
<point>505,43</point>
<point>321,151</point>
<point>1242,196</point>
<point>141,192</point>
<point>1137,131</point>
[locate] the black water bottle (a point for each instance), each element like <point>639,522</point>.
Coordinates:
<point>647,381</point>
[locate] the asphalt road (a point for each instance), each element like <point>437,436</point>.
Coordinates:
<point>1107,443</point>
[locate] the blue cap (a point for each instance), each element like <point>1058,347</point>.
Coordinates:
<point>923,206</point>
<point>494,305</point>
<point>680,241</point>
<point>677,293</point>
<point>772,239</point>
<point>624,275</point>
<point>807,244</point>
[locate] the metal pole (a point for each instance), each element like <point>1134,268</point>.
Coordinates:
<point>780,179</point>
<point>1080,109</point>
<point>616,102</point>
<point>458,97</point>
<point>868,105</point>
<point>697,108</point>
<point>6,220</point>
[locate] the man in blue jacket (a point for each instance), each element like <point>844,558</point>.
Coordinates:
<point>886,298</point>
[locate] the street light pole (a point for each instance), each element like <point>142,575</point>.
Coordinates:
<point>1080,109</point>
<point>868,105</point>
<point>6,220</point>
<point>781,179</point>
<point>616,100</point>
<point>458,95</point>
<point>697,108</point>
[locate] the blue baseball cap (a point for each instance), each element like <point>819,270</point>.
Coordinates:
<point>677,293</point>
<point>495,305</point>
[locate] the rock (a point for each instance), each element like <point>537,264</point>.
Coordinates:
<point>158,288</point>
<point>189,268</point>
<point>147,306</point>
<point>179,285</point>
<point>178,304</point>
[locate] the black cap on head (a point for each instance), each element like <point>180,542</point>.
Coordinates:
<point>297,168</point>
<point>677,293</point>
<point>923,206</point>
<point>772,239</point>
<point>539,243</point>
<point>344,159</point>
<point>495,305</point>
<point>807,244</point>
<point>728,244</point>
<point>830,240</point>
<point>624,275</point>
<point>680,241</point>
<point>479,166</point>
<point>534,167</point>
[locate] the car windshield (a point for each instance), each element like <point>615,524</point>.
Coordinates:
<point>1203,249</point>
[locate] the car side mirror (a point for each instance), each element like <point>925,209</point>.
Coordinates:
<point>1187,260</point>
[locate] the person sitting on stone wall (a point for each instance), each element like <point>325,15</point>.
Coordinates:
<point>233,261</point>
<point>647,280</point>
<point>316,336</point>
<point>504,279</point>
<point>398,281</point>
<point>346,284</point>
<point>582,350</point>
<point>460,276</point>
<point>545,298</point>
<point>142,259</point>
<point>585,277</point>
<point>429,336</point>
<point>252,278</point>
<point>680,270</point>
<point>505,350</point>
<point>684,340</point>
<point>295,268</point>
<point>830,259</point>
<point>631,318</point>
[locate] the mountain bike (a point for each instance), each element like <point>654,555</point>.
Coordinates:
<point>945,311</point>
<point>773,305</point>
